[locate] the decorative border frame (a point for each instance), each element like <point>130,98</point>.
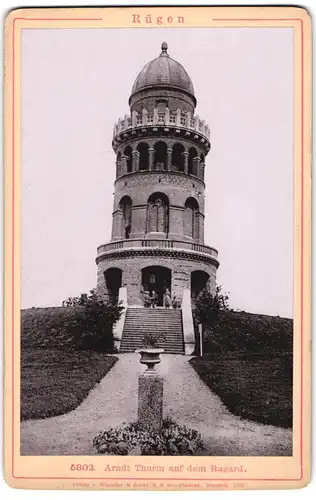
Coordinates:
<point>301,24</point>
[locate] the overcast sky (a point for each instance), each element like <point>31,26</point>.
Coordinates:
<point>76,84</point>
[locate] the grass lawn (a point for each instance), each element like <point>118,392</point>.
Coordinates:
<point>254,387</point>
<point>54,382</point>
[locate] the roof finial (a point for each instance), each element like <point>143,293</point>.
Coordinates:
<point>164,48</point>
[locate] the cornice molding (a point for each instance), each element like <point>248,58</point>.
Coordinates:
<point>156,252</point>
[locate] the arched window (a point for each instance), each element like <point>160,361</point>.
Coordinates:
<point>126,208</point>
<point>143,148</point>
<point>191,166</point>
<point>129,161</point>
<point>160,158</point>
<point>158,213</point>
<point>191,219</point>
<point>177,159</point>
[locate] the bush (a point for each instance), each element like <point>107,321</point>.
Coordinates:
<point>208,306</point>
<point>134,439</point>
<point>91,326</point>
<point>84,322</point>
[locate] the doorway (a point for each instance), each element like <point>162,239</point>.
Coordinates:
<point>113,283</point>
<point>199,283</point>
<point>157,278</point>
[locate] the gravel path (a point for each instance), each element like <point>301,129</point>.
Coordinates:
<point>186,399</point>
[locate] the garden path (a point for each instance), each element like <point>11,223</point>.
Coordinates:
<point>186,399</point>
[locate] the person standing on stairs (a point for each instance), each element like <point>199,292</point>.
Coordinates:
<point>146,298</point>
<point>167,299</point>
<point>153,298</point>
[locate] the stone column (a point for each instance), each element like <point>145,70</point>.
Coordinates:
<point>151,153</point>
<point>202,169</point>
<point>156,116</point>
<point>169,158</point>
<point>135,156</point>
<point>134,118</point>
<point>117,225</point>
<point>201,228</point>
<point>150,401</point>
<point>186,162</point>
<point>118,165</point>
<point>178,117</point>
<point>123,164</point>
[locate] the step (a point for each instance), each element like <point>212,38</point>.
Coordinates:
<point>139,322</point>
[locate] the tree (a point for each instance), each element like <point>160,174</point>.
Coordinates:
<point>91,323</point>
<point>208,307</point>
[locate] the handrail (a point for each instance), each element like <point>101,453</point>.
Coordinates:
<point>157,243</point>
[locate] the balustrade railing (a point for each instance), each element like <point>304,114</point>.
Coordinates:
<point>177,118</point>
<point>162,244</point>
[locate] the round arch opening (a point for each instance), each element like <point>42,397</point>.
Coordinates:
<point>191,162</point>
<point>129,161</point>
<point>157,279</point>
<point>158,213</point>
<point>143,150</point>
<point>160,155</point>
<point>113,283</point>
<point>177,158</point>
<point>126,209</point>
<point>191,218</point>
<point>200,281</point>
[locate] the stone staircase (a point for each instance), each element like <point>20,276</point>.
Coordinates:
<point>140,321</point>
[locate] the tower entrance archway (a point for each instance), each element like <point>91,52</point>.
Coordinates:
<point>113,283</point>
<point>158,279</point>
<point>199,283</point>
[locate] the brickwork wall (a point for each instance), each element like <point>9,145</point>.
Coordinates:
<point>132,266</point>
<point>177,187</point>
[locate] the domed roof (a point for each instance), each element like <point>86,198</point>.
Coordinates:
<point>163,71</point>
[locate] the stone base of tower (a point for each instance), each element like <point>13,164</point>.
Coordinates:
<point>154,269</point>
<point>134,273</point>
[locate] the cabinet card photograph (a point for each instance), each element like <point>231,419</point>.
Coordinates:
<point>158,249</point>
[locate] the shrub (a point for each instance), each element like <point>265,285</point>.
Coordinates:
<point>133,439</point>
<point>153,339</point>
<point>208,307</point>
<point>84,322</point>
<point>91,325</point>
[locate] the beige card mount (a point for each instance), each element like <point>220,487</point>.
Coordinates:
<point>158,265</point>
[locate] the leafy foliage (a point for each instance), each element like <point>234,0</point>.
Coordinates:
<point>83,322</point>
<point>152,340</point>
<point>208,306</point>
<point>91,327</point>
<point>134,439</point>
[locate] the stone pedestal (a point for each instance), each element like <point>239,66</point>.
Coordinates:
<point>150,401</point>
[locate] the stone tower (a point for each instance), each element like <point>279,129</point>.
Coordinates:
<point>157,237</point>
